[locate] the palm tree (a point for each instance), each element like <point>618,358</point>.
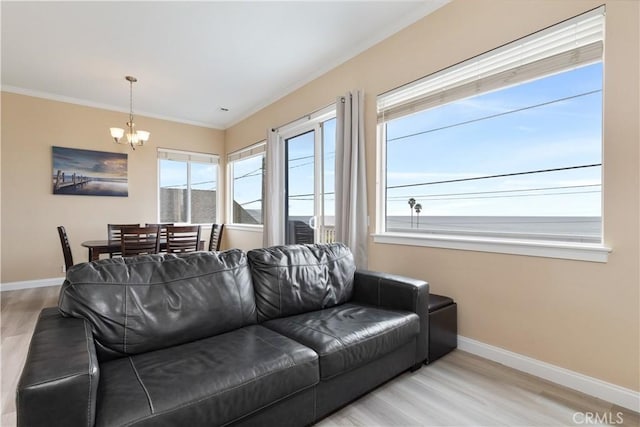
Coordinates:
<point>418,210</point>
<point>412,202</point>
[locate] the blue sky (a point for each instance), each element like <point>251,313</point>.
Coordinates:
<point>301,171</point>
<point>560,134</point>
<point>248,182</point>
<point>204,176</point>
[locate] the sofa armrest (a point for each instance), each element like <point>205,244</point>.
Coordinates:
<point>398,293</point>
<point>59,381</point>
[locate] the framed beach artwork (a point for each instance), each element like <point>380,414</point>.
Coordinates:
<point>89,173</point>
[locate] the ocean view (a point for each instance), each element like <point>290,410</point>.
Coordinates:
<point>563,228</point>
<point>584,229</point>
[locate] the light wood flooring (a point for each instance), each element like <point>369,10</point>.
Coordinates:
<point>458,390</point>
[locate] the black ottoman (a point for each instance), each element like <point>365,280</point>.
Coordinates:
<point>443,326</point>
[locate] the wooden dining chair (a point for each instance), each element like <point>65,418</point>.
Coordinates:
<point>163,229</point>
<point>66,248</point>
<point>182,239</point>
<point>114,232</point>
<point>216,237</point>
<point>139,240</point>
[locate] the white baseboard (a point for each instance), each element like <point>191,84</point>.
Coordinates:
<point>28,284</point>
<point>592,386</point>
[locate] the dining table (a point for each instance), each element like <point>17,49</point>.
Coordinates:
<point>99,247</point>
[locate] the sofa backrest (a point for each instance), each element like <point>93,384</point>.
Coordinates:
<point>295,279</point>
<point>149,302</point>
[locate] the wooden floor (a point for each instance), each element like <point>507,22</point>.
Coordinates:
<point>458,390</point>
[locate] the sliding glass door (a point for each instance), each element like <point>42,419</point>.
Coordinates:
<point>309,184</point>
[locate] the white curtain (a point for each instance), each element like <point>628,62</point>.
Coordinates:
<point>273,207</point>
<point>351,183</point>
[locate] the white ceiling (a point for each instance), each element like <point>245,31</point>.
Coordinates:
<point>190,58</point>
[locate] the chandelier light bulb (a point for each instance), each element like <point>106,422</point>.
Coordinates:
<point>116,133</point>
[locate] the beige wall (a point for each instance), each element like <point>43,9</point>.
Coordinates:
<point>31,213</point>
<point>241,239</point>
<point>578,315</point>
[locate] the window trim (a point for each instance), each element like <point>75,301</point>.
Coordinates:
<point>536,248</point>
<point>191,156</point>
<point>593,252</point>
<point>254,150</point>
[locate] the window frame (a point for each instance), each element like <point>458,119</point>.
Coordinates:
<point>393,101</point>
<point>189,157</point>
<point>314,122</point>
<point>274,232</point>
<point>254,150</point>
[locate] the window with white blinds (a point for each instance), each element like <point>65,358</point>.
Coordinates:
<point>573,43</point>
<point>188,187</point>
<point>245,171</point>
<point>506,145</point>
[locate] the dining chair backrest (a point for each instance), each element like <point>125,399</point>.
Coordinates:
<point>163,228</point>
<point>114,232</point>
<point>66,248</point>
<point>216,237</point>
<point>140,240</point>
<point>185,238</point>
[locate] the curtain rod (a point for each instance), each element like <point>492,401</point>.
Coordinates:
<point>306,116</point>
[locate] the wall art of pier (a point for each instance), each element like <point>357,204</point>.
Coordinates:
<point>73,183</point>
<point>63,180</point>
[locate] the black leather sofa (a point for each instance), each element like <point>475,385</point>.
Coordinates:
<point>274,337</point>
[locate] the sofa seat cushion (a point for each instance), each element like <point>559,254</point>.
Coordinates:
<point>204,383</point>
<point>349,335</point>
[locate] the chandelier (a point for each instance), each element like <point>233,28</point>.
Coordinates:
<point>134,137</point>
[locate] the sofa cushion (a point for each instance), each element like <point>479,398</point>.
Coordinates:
<point>300,278</point>
<point>144,303</point>
<point>208,382</point>
<point>350,335</point>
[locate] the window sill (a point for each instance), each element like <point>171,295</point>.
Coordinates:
<point>244,227</point>
<point>537,248</point>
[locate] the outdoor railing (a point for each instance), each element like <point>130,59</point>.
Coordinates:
<point>327,234</point>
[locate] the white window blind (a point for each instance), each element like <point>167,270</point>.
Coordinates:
<point>184,156</point>
<point>251,151</point>
<point>572,43</point>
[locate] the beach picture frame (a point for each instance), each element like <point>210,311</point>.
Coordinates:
<point>82,172</point>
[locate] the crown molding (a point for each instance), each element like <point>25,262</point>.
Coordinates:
<point>92,104</point>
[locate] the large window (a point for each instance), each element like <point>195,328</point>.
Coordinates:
<point>506,145</point>
<point>188,187</point>
<point>246,177</point>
